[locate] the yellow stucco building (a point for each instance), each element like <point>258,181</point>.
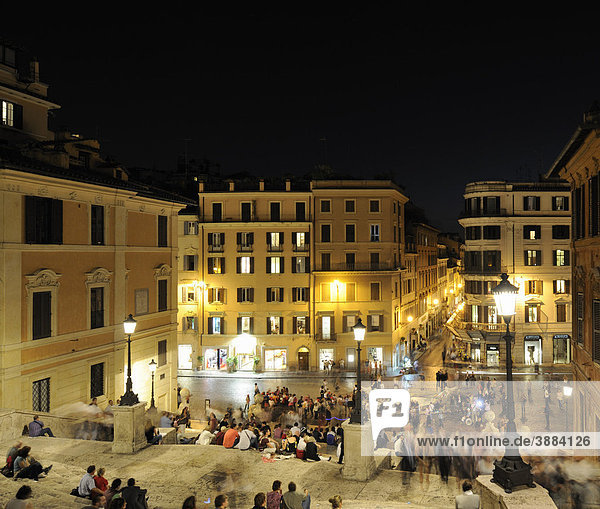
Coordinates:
<point>81,248</point>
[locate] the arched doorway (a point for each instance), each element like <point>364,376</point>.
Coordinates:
<point>303,354</point>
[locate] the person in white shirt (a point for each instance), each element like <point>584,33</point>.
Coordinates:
<point>295,430</point>
<point>204,438</point>
<point>468,500</point>
<point>247,440</point>
<point>87,485</point>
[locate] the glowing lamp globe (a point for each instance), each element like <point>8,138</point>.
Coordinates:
<point>129,325</point>
<point>505,295</point>
<point>359,330</point>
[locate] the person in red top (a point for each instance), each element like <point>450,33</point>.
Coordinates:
<point>230,436</point>
<point>101,482</point>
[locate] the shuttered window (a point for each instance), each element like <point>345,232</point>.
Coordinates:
<point>162,231</point>
<point>43,220</point>
<point>97,225</point>
<point>97,380</point>
<point>596,333</point>
<point>579,303</point>
<point>162,352</point>
<point>162,294</point>
<point>42,315</point>
<point>96,308</point>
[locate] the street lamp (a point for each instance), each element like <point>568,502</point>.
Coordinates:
<point>567,391</point>
<point>511,470</point>
<point>152,365</point>
<point>129,398</point>
<point>359,335</point>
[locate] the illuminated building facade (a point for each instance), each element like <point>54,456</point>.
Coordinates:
<point>522,229</point>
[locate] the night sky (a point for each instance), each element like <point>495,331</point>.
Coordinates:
<point>437,99</point>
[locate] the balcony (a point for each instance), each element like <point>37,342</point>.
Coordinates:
<point>274,249</point>
<point>245,248</point>
<point>332,336</point>
<point>483,213</point>
<point>356,267</point>
<point>258,219</point>
<point>215,249</point>
<point>301,249</point>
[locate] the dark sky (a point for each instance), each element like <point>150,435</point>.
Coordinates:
<point>439,98</point>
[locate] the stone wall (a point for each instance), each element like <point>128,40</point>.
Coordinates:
<point>13,421</point>
<point>493,496</point>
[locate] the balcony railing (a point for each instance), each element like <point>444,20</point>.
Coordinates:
<point>301,249</point>
<point>274,249</point>
<point>245,248</point>
<point>356,267</point>
<point>215,249</point>
<point>483,213</point>
<point>319,336</point>
<point>257,219</point>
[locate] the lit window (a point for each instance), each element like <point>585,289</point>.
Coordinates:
<point>374,232</point>
<point>8,114</point>
<point>245,264</point>
<point>274,325</point>
<point>275,264</point>
<point>246,324</point>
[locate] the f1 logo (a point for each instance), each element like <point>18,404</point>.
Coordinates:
<point>388,408</point>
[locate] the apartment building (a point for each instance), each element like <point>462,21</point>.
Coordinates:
<point>578,165</point>
<point>522,229</point>
<point>81,248</point>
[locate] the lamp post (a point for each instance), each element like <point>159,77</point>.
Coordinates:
<point>359,334</point>
<point>129,398</point>
<point>511,470</point>
<point>567,391</point>
<point>152,366</point>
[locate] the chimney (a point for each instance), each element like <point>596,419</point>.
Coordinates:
<point>288,185</point>
<point>261,185</point>
<point>201,186</point>
<point>231,185</point>
<point>34,70</point>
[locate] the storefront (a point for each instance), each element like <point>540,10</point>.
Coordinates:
<point>244,350</point>
<point>351,358</point>
<point>326,355</point>
<point>215,358</point>
<point>533,350</point>
<point>275,358</point>
<point>492,354</point>
<point>562,350</point>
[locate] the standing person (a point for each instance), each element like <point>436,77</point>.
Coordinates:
<point>468,500</point>
<point>340,440</point>
<point>444,356</point>
<point>274,497</point>
<point>256,389</point>
<point>294,500</point>
<point>246,406</point>
<point>37,429</point>
<point>547,414</point>
<point>21,499</point>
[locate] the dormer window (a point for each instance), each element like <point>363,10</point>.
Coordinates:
<point>12,114</point>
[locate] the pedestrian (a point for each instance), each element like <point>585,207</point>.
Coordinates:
<point>21,499</point>
<point>444,356</point>
<point>547,414</point>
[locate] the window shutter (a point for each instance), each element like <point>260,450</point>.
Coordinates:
<point>524,202</point>
<point>281,238</point>
<point>332,324</point>
<point>538,257</point>
<point>210,239</point>
<point>268,325</point>
<point>18,116</point>
<point>251,238</point>
<point>239,298</point>
<point>307,238</point>
<point>294,243</point>
<point>307,325</point>
<point>369,325</point>
<point>307,269</point>
<point>553,283</point>
<point>554,203</point>
<point>537,203</point>
<point>293,264</point>
<point>252,324</point>
<point>30,218</point>
<point>222,320</point>
<point>281,325</point>
<point>567,257</point>
<point>566,202</point>
<point>380,323</point>
<point>222,260</point>
<point>345,324</point>
<point>568,286</point>
<point>281,264</point>
<point>268,265</point>
<point>57,222</point>
<point>210,325</point>
<point>239,324</point>
<point>526,314</point>
<point>252,265</point>
<point>222,238</point>
<point>251,294</point>
<point>268,238</point>
<point>238,263</point>
<point>554,257</point>
<point>280,294</point>
<point>295,324</point>
<point>211,293</point>
<point>294,297</point>
<point>238,237</point>
<point>268,295</point>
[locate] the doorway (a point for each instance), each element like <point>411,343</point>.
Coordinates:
<point>303,359</point>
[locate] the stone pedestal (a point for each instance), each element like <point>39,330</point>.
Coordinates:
<point>494,496</point>
<point>359,463</point>
<point>129,428</point>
